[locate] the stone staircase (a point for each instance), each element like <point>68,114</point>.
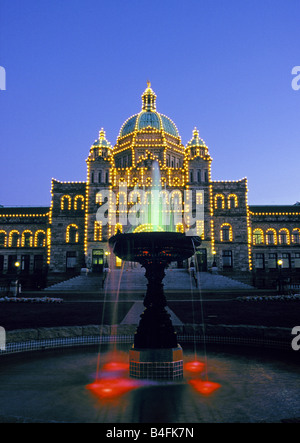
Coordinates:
<point>80,283</point>
<point>134,280</point>
<point>220,282</point>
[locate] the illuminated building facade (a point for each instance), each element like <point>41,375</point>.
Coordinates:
<point>243,241</point>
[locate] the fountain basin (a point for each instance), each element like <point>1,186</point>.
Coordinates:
<point>147,247</point>
<point>52,386</point>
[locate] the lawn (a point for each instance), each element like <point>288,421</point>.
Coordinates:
<point>20,316</point>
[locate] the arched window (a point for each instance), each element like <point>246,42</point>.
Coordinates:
<point>284,236</point>
<point>271,237</point>
<point>27,239</point>
<point>40,239</point>
<point>258,236</point>
<point>296,236</point>
<point>119,228</point>
<point>79,203</point>
<point>14,239</point>
<point>98,231</point>
<point>179,228</point>
<point>135,197</point>
<point>66,203</point>
<point>99,198</point>
<point>72,234</point>
<point>226,232</point>
<point>200,228</point>
<point>232,201</point>
<point>176,206</point>
<point>121,196</point>
<point>219,201</point>
<point>3,239</point>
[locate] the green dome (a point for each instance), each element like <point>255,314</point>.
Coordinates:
<point>196,141</point>
<point>146,119</point>
<point>102,142</point>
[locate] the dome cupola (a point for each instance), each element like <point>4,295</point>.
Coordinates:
<point>101,147</point>
<point>149,99</point>
<point>149,118</point>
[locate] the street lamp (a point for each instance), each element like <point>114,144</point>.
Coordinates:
<point>106,258</point>
<point>279,263</point>
<point>17,266</point>
<point>214,268</point>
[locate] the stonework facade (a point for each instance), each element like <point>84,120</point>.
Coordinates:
<point>260,244</point>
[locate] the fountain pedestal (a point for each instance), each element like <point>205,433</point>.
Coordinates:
<point>156,353</point>
<point>156,364</point>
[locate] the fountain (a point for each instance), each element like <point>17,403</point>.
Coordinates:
<point>155,354</point>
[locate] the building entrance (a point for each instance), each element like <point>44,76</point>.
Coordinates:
<point>201,257</point>
<point>97,261</point>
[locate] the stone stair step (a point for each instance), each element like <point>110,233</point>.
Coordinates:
<point>134,279</point>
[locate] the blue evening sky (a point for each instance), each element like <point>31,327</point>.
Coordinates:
<point>74,66</point>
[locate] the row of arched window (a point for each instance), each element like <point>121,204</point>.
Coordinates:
<point>229,202</point>
<point>67,203</point>
<point>272,237</point>
<point>72,234</point>
<point>144,197</point>
<point>26,239</point>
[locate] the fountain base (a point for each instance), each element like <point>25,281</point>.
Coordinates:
<point>156,364</point>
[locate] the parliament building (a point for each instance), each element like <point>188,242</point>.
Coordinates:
<point>44,245</point>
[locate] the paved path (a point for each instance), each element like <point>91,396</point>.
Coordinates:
<point>134,314</point>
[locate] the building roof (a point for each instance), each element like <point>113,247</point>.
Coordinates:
<point>275,209</point>
<point>23,211</point>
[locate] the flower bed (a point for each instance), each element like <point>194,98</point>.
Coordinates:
<point>30,300</point>
<point>249,298</point>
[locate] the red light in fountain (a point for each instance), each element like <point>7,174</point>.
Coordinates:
<point>204,386</point>
<point>194,366</point>
<point>112,387</point>
<point>116,366</point>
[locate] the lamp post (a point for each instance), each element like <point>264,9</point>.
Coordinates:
<point>214,268</point>
<point>17,266</point>
<point>106,267</point>
<point>279,263</point>
<point>106,258</point>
